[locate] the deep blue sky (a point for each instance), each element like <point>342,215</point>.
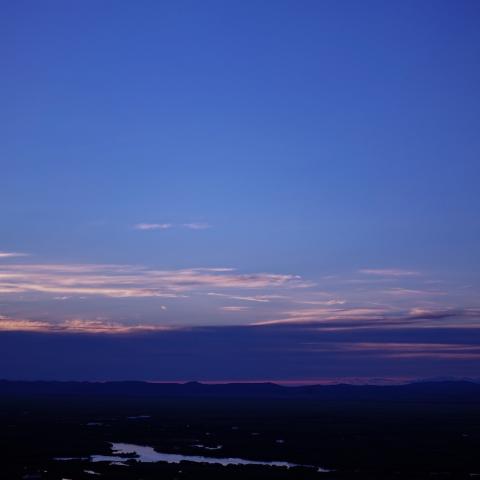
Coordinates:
<point>327,152</point>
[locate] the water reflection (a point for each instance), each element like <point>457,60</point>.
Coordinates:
<point>143,453</point>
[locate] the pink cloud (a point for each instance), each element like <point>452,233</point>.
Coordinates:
<point>121,281</point>
<point>389,272</point>
<point>76,325</point>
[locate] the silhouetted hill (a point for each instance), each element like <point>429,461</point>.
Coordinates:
<point>420,391</point>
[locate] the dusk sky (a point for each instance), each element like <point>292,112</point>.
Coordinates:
<point>240,190</point>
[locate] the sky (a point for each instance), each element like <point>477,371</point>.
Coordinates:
<point>239,190</point>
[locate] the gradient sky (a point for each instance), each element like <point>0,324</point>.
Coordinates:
<point>239,190</point>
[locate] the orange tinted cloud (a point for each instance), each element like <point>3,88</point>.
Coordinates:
<point>76,325</point>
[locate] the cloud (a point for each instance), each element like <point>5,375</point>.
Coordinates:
<point>12,254</point>
<point>166,226</point>
<point>278,298</point>
<point>256,298</point>
<point>101,326</point>
<point>19,325</point>
<point>123,281</point>
<point>379,318</point>
<point>153,226</point>
<point>410,292</point>
<point>322,302</point>
<point>214,269</point>
<point>400,350</point>
<point>389,272</point>
<point>76,325</point>
<point>197,226</point>
<point>326,314</point>
<point>234,309</point>
<point>433,313</point>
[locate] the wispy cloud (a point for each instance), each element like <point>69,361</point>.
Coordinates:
<point>12,254</point>
<point>328,314</point>
<point>255,298</point>
<point>322,302</point>
<point>153,226</point>
<point>76,325</point>
<point>214,269</point>
<point>389,272</point>
<point>121,281</point>
<point>399,350</point>
<point>166,226</point>
<point>196,226</point>
<point>411,292</point>
<point>8,324</point>
<point>380,317</point>
<point>234,309</point>
<point>274,298</point>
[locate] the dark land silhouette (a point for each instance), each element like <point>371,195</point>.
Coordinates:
<point>415,431</point>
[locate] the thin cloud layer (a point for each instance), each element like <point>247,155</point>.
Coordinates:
<point>401,349</point>
<point>143,296</point>
<point>329,314</point>
<point>256,298</point>
<point>389,272</point>
<point>197,226</point>
<point>153,226</point>
<point>120,281</point>
<point>351,318</point>
<point>75,325</point>
<point>234,308</point>
<point>167,226</point>
<point>13,254</point>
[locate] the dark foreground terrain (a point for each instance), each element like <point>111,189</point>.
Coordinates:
<point>417,431</point>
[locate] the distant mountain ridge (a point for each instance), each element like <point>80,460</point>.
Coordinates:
<point>419,391</point>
